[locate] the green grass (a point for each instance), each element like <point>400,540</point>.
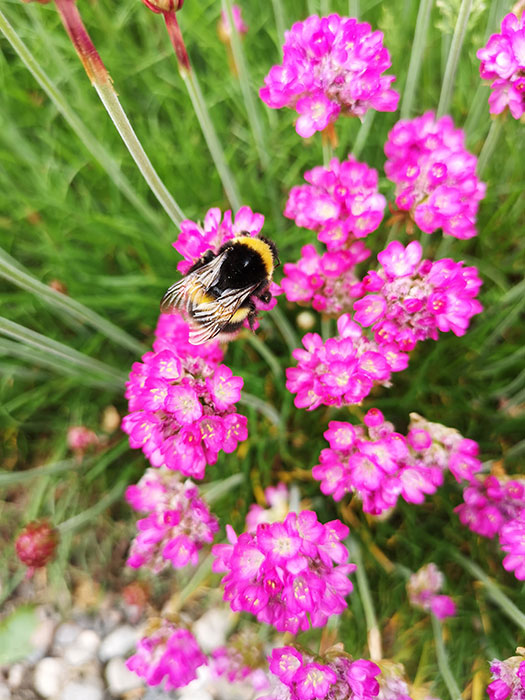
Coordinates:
<point>62,217</point>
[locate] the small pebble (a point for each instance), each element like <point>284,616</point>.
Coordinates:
<point>210,630</point>
<point>16,676</point>
<point>65,635</point>
<point>50,674</point>
<point>118,643</point>
<point>83,649</point>
<point>119,678</point>
<point>5,693</point>
<point>84,690</point>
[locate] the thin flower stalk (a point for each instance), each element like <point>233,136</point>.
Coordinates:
<point>88,516</point>
<point>363,132</point>
<point>444,667</point>
<point>10,270</point>
<point>199,105</point>
<point>247,94</point>
<point>374,634</point>
<point>447,87</point>
<point>90,142</point>
<point>280,22</point>
<point>101,81</point>
<point>490,144</point>
<point>353,8</point>
<point>416,57</point>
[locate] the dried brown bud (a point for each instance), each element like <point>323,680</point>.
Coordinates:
<point>36,544</point>
<point>164,5</point>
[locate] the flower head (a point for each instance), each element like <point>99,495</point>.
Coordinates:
<point>508,678</point>
<point>80,439</point>
<point>435,175</point>
<point>169,654</point>
<point>331,65</point>
<point>423,588</point>
<point>291,575</point>
<point>503,64</point>
<point>35,545</point>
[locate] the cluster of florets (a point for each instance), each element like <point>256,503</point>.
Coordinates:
<point>503,63</point>
<point>331,65</point>
<point>341,203</point>
<point>170,654</point>
<point>290,575</point>
<point>409,299</point>
<point>301,676</point>
<point>196,239</point>
<point>80,439</point>
<point>328,282</point>
<point>178,523</point>
<point>342,370</point>
<point>278,502</point>
<point>392,683</point>
<point>435,175</point>
<point>242,660</point>
<point>497,507</point>
<point>508,677</point>
<point>423,588</point>
<point>182,402</point>
<point>380,465</point>
<point>35,545</point>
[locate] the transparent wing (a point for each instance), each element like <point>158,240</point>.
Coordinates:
<point>210,318</point>
<point>185,294</point>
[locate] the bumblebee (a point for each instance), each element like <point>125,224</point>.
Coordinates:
<point>218,291</point>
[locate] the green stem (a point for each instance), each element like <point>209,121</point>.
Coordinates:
<point>60,351</point>
<point>442,659</point>
<point>88,515</point>
<point>416,57</point>
<point>247,94</point>
<point>102,83</point>
<point>493,590</point>
<point>264,351</point>
<point>8,478</point>
<point>10,270</point>
<point>176,602</point>
<point>285,328</point>
<point>261,406</point>
<point>490,144</point>
<point>327,153</point>
<point>363,132</point>
<point>280,22</point>
<point>353,8</point>
<point>453,58</point>
<point>374,635</point>
<point>213,491</point>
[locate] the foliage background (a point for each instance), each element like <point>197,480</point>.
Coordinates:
<point>62,218</point>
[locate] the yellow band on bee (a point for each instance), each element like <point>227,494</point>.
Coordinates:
<point>260,247</point>
<point>240,315</point>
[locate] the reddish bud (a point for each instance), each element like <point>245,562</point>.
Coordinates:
<point>163,5</point>
<point>36,544</point>
<point>80,438</point>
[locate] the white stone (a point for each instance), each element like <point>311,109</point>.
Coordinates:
<point>121,641</point>
<point>50,674</point>
<point>210,630</point>
<point>83,649</point>
<point>119,678</point>
<point>83,690</point>
<point>5,693</point>
<point>16,675</point>
<point>66,635</point>
<point>42,637</point>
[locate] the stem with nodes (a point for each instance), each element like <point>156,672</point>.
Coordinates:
<point>101,81</point>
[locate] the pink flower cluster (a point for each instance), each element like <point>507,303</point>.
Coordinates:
<point>497,507</point>
<point>435,176</point>
<point>342,370</point>
<point>508,678</point>
<point>412,299</point>
<point>178,523</point>
<point>327,282</point>
<point>383,465</point>
<point>290,575</point>
<point>423,588</point>
<point>195,239</point>
<point>181,402</point>
<point>341,203</point>
<point>169,654</point>
<point>392,683</point>
<point>331,65</point>
<point>306,679</point>
<point>503,63</point>
<point>242,660</point>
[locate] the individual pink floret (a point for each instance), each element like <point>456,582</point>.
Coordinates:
<point>341,203</point>
<point>169,655</point>
<point>178,522</point>
<point>182,402</point>
<point>291,575</point>
<point>410,300</point>
<point>342,370</point>
<point>435,175</point>
<point>503,64</point>
<point>331,65</point>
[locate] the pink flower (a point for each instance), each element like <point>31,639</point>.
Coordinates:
<point>341,203</point>
<point>412,300</point>
<point>508,678</point>
<point>423,587</point>
<point>290,575</point>
<point>435,176</point>
<point>80,438</point>
<point>503,63</point>
<point>178,522</point>
<point>512,541</point>
<point>182,402</point>
<point>332,65</point>
<point>169,654</point>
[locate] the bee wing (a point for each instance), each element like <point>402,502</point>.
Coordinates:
<point>185,293</point>
<point>212,317</point>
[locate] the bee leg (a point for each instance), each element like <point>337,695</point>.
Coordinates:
<point>204,259</point>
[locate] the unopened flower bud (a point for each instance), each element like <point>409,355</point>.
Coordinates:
<point>164,5</point>
<point>36,544</point>
<point>80,438</point>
